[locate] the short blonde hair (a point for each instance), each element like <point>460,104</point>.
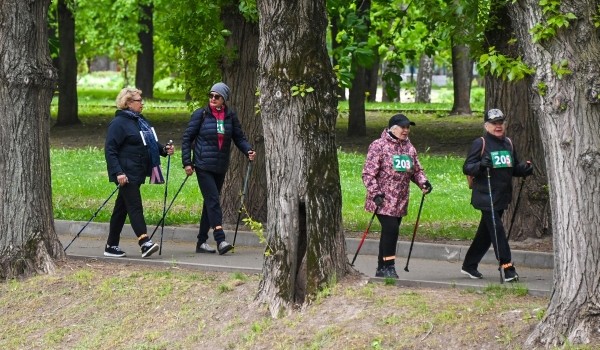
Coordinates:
<point>126,95</point>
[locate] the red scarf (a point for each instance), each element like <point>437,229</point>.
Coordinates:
<point>220,115</point>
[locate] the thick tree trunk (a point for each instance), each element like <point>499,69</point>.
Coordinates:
<point>144,69</point>
<point>240,73</point>
<point>532,216</point>
<point>462,76</point>
<point>28,242</point>
<point>67,68</point>
<point>305,244</point>
<point>566,107</point>
<point>423,94</point>
<point>373,80</point>
<point>357,119</point>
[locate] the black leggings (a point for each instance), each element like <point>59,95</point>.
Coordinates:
<point>485,237</point>
<point>390,227</point>
<point>210,185</point>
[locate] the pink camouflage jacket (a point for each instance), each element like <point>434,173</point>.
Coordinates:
<point>380,176</point>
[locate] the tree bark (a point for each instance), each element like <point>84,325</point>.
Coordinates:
<point>334,19</point>
<point>530,197</point>
<point>67,68</point>
<point>144,69</point>
<point>357,122</point>
<point>462,75</point>
<point>566,107</point>
<point>305,244</point>
<point>373,80</point>
<point>28,242</point>
<point>424,76</point>
<point>240,73</point>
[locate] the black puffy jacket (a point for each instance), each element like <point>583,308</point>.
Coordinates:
<point>201,135</point>
<point>125,151</point>
<point>500,178</point>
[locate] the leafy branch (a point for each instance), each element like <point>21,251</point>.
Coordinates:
<point>504,67</point>
<point>555,21</point>
<point>301,90</point>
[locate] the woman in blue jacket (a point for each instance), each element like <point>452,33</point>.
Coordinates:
<point>132,152</point>
<point>210,132</point>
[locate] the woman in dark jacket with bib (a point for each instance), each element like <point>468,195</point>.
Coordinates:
<point>132,152</point>
<point>210,132</point>
<point>493,153</point>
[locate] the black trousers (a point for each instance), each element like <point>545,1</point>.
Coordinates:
<point>128,202</point>
<point>390,228</point>
<point>210,186</point>
<point>485,237</point>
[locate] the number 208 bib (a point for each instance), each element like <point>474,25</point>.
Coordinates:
<point>501,159</point>
<point>401,162</point>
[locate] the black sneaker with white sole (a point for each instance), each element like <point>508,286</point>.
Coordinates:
<point>149,248</point>
<point>510,274</point>
<point>114,251</point>
<point>472,273</point>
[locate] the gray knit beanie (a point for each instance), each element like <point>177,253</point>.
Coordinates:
<point>221,89</point>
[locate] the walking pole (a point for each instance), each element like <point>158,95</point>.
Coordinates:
<point>162,227</point>
<point>497,250</point>
<point>245,188</point>
<point>92,218</point>
<point>512,220</point>
<point>414,232</point>
<point>364,236</point>
<point>169,207</point>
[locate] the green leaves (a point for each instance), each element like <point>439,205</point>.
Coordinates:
<point>301,90</point>
<point>555,21</point>
<point>504,67</point>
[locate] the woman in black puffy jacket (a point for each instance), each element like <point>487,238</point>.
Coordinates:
<point>209,135</point>
<point>132,152</point>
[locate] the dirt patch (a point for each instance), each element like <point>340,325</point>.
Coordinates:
<point>97,304</point>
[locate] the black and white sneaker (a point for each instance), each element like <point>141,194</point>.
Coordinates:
<point>224,247</point>
<point>204,248</point>
<point>114,251</point>
<point>510,274</point>
<point>472,273</point>
<point>149,248</point>
<point>387,272</point>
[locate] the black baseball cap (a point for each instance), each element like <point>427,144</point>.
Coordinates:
<point>400,120</point>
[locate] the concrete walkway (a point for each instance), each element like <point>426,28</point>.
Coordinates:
<point>430,265</point>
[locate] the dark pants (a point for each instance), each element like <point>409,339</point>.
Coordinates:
<point>128,202</point>
<point>390,227</point>
<point>212,216</point>
<point>485,237</point>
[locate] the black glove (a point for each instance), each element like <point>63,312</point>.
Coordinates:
<point>428,187</point>
<point>486,162</point>
<point>528,169</point>
<point>378,199</point>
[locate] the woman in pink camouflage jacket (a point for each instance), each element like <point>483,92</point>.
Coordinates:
<point>391,164</point>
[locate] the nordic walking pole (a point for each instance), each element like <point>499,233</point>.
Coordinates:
<point>162,227</point>
<point>92,218</point>
<point>497,250</point>
<point>364,236</point>
<point>414,233</point>
<point>244,190</point>
<point>169,207</point>
<point>512,220</point>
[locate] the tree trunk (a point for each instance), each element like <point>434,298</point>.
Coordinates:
<point>334,18</point>
<point>357,120</point>
<point>566,107</point>
<point>305,243</point>
<point>28,242</point>
<point>462,75</point>
<point>373,80</point>
<point>144,69</point>
<point>532,216</point>
<point>240,73</point>
<point>423,94</point>
<point>67,68</point>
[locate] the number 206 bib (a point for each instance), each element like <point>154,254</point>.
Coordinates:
<point>402,162</point>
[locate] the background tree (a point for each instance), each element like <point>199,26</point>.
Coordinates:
<point>561,43</point>
<point>67,66</point>
<point>305,244</point>
<point>144,68</point>
<point>28,242</point>
<point>424,77</point>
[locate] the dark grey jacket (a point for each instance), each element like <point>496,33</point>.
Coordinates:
<point>500,178</point>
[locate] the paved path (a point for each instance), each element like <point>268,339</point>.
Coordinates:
<point>431,265</point>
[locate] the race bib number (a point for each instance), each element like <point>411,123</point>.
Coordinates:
<point>402,162</point>
<point>220,127</point>
<point>501,159</point>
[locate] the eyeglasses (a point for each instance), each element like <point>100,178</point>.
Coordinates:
<point>214,96</point>
<point>138,100</point>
